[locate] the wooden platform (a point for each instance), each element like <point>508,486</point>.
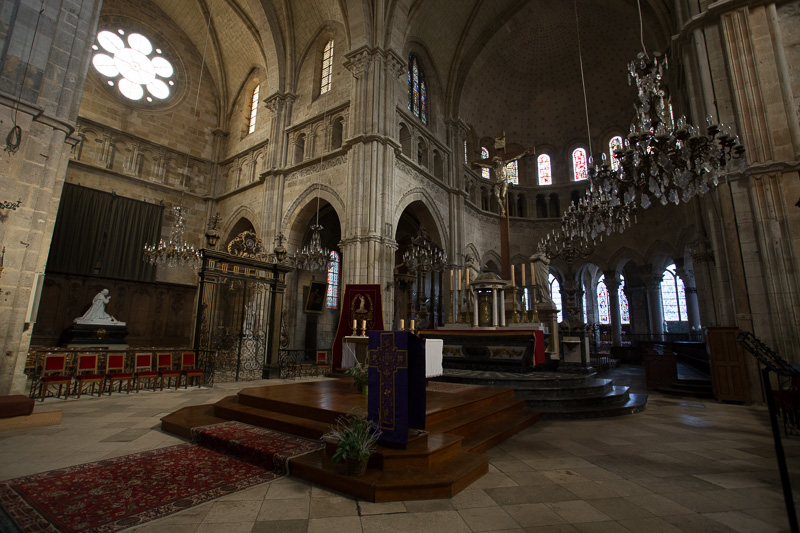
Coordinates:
<point>436,464</point>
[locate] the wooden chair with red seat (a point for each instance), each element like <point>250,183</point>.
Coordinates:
<point>322,364</point>
<point>143,370</point>
<point>86,374</point>
<point>165,370</point>
<point>54,372</point>
<point>189,370</point>
<point>115,372</point>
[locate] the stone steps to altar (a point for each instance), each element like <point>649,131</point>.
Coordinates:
<point>558,395</point>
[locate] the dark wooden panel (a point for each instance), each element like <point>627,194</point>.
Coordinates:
<point>728,370</point>
<point>158,314</point>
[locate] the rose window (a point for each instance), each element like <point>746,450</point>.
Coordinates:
<point>133,65</point>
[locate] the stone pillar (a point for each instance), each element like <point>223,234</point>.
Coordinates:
<point>502,309</point>
<point>494,307</point>
<point>33,172</point>
<point>653,287</point>
<point>612,284</point>
<point>692,306</point>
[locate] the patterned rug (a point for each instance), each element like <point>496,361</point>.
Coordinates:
<point>450,388</point>
<point>127,491</point>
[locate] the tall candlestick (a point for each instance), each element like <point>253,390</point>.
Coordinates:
<point>522,266</point>
<point>355,324</point>
<point>363,324</point>
<point>402,325</point>
<point>512,276</point>
<point>468,278</point>
<point>533,273</point>
<point>459,279</point>
<point>451,277</point>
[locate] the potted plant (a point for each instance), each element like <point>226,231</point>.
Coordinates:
<point>360,375</point>
<point>356,438</point>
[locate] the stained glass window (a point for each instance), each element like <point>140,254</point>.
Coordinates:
<point>485,155</point>
<point>327,68</point>
<point>253,110</point>
<point>545,173</point>
<point>614,144</point>
<point>332,297</point>
<point>624,312</point>
<point>579,164</point>
<point>417,92</point>
<point>555,295</point>
<point>512,172</point>
<point>673,296</point>
<point>133,65</point>
<point>602,301</point>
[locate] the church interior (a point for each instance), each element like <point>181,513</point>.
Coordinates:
<point>219,172</point>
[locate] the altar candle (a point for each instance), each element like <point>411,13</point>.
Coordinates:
<point>459,279</point>
<point>467,279</point>
<point>402,325</point>
<point>522,266</point>
<point>451,278</point>
<point>533,273</point>
<point>512,276</point>
<point>412,325</point>
<point>363,324</point>
<point>355,324</point>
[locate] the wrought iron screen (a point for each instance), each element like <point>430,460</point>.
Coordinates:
<point>236,311</point>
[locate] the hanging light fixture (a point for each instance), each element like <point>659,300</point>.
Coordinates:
<point>662,160</point>
<point>176,252</point>
<point>313,256</point>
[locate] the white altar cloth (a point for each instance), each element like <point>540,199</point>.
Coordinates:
<point>433,357</point>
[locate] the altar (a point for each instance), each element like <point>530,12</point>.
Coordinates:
<point>354,349</point>
<point>502,349</point>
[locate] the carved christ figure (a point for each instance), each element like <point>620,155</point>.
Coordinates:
<point>498,164</point>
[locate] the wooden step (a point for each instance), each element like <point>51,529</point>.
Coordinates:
<point>499,430</point>
<point>464,422</point>
<point>229,408</point>
<point>182,421</point>
<point>442,480</point>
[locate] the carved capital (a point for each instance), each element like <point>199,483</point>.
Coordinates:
<point>358,61</point>
<point>276,101</point>
<point>394,65</point>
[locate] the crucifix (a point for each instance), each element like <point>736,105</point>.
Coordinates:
<point>498,168</point>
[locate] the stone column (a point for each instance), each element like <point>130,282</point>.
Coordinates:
<point>502,309</point>
<point>692,306</point>
<point>653,287</point>
<point>494,307</point>
<point>612,284</point>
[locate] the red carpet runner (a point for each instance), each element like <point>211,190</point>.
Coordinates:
<point>126,491</point>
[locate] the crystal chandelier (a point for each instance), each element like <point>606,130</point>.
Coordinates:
<point>672,161</point>
<point>313,256</point>
<point>175,252</point>
<point>424,256</point>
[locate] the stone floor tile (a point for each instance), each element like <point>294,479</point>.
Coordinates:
<point>649,525</point>
<point>493,480</point>
<point>157,527</point>
<point>558,463</point>
<point>471,498</point>
<point>538,494</point>
<point>701,502</point>
<point>283,491</point>
<point>281,526</point>
<point>740,480</point>
<point>589,490</point>
<point>578,511</point>
<point>370,508</point>
<point>232,511</point>
<point>742,522</point>
<point>601,527</point>
<point>294,509</point>
<point>696,523</point>
<point>436,522</point>
<point>334,506</point>
<point>230,527</point>
<point>658,505</point>
<point>533,514</point>
<point>529,478</point>
<point>619,508</point>
<point>428,506</point>
<point>488,519</point>
<point>512,465</point>
<point>340,524</point>
<point>775,516</point>
<point>563,476</point>
<point>256,493</point>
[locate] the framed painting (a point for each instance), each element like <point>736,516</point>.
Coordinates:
<point>315,300</point>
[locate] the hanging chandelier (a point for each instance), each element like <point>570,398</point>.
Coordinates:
<point>313,256</point>
<point>424,256</point>
<point>175,252</point>
<point>662,160</point>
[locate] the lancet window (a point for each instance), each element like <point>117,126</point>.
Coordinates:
<point>253,110</point>
<point>614,144</point>
<point>602,302</point>
<point>327,68</point>
<point>555,295</point>
<point>673,296</point>
<point>624,311</point>
<point>545,172</point>
<point>579,164</point>
<point>485,155</point>
<point>332,296</point>
<point>512,172</point>
<point>417,91</point>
